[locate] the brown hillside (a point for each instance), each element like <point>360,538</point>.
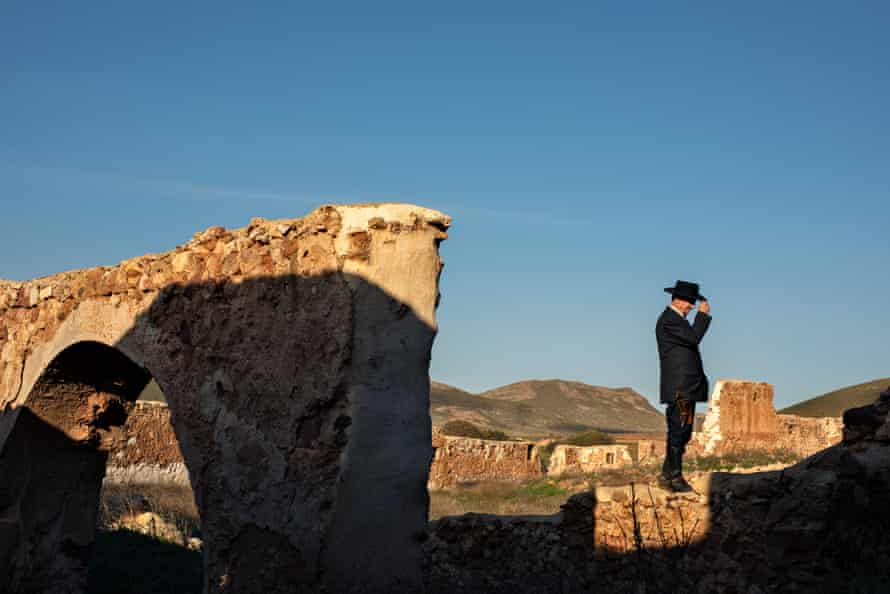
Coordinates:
<point>540,408</point>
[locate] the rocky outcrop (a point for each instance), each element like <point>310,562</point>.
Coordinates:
<point>458,460</point>
<point>821,525</point>
<point>568,459</point>
<point>294,355</point>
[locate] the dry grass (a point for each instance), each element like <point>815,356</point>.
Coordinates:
<point>545,496</point>
<point>174,503</point>
<point>507,499</point>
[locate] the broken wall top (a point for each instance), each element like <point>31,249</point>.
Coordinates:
<point>40,317</point>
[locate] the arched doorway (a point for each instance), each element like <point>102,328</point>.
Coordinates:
<point>55,449</point>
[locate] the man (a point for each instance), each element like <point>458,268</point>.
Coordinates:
<point>683,381</point>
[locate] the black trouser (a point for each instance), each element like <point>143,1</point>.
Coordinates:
<point>680,415</point>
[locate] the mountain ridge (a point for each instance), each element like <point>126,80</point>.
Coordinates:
<point>544,408</point>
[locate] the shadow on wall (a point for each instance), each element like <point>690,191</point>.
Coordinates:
<point>301,405</point>
<point>822,525</point>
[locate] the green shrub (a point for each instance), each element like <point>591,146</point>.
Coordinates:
<point>461,429</point>
<point>742,459</point>
<point>589,438</point>
<point>468,429</point>
<point>495,435</point>
<point>541,488</point>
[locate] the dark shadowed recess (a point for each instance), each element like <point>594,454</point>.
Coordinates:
<point>52,464</point>
<point>125,562</point>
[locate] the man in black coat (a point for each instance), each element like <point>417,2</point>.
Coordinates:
<point>683,381</point>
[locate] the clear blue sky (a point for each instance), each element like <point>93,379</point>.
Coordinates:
<point>590,155</point>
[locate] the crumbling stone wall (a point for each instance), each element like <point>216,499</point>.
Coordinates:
<point>807,435</point>
<point>459,460</point>
<point>146,437</point>
<point>567,459</point>
<point>650,451</point>
<point>741,417</point>
<point>144,450</point>
<point>294,355</point>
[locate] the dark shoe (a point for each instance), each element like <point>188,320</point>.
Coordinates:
<point>679,485</point>
<point>671,466</point>
<point>664,483</point>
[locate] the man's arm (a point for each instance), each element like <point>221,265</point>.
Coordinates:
<point>681,333</point>
<point>700,325</point>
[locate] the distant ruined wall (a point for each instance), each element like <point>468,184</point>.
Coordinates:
<point>459,460</point>
<point>144,450</point>
<point>146,437</point>
<point>567,459</point>
<point>741,417</point>
<point>294,355</point>
<point>807,435</point>
<point>650,451</point>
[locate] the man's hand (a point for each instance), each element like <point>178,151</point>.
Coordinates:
<point>704,307</point>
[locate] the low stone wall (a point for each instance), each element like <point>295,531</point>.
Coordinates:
<point>807,435</point>
<point>567,459</point>
<point>459,460</point>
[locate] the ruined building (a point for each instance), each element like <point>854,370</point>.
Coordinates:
<point>294,355</point>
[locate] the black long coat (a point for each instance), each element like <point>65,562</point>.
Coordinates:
<point>681,364</point>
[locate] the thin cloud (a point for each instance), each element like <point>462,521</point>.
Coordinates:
<point>199,191</point>
<point>179,189</point>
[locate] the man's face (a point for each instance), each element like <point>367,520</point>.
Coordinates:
<point>683,305</point>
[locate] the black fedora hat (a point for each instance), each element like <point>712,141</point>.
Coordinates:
<point>686,291</point>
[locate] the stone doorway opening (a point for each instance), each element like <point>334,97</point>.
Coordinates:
<point>147,508</point>
<point>71,431</point>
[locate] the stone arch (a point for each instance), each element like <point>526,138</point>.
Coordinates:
<point>56,451</point>
<point>294,356</point>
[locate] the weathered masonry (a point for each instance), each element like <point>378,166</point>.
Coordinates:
<point>741,416</point>
<point>294,355</point>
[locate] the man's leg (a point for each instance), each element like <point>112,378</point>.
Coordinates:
<point>680,415</point>
<point>687,422</point>
<point>670,469</point>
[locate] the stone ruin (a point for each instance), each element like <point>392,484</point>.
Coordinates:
<point>294,355</point>
<point>567,459</point>
<point>458,460</point>
<point>741,417</point>
<point>144,449</point>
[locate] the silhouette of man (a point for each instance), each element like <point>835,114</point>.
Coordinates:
<point>683,381</point>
